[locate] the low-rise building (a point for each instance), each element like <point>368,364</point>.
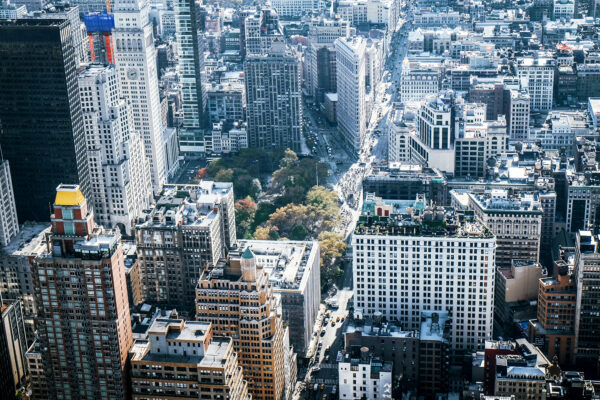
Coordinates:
<point>183,360</point>
<point>363,376</point>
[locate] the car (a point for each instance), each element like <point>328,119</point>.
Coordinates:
<point>332,323</point>
<point>343,318</point>
<point>322,386</point>
<point>316,369</point>
<point>323,332</point>
<point>327,358</point>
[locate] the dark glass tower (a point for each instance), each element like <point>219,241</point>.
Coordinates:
<point>40,110</point>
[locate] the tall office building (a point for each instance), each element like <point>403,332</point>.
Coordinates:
<point>319,57</point>
<point>13,345</point>
<point>44,145</point>
<point>71,13</point>
<point>191,136</point>
<point>9,224</point>
<point>207,366</point>
<point>587,318</point>
<point>121,187</point>
<point>351,90</point>
<point>274,98</point>
<point>537,75</point>
<point>516,220</point>
<point>409,257</point>
<point>135,57</point>
<point>83,313</point>
<point>238,299</point>
<point>519,114</point>
<point>190,227</point>
<point>261,29</point>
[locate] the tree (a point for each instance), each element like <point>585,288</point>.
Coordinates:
<point>245,210</point>
<point>224,175</point>
<point>262,233</point>
<point>332,249</point>
<point>201,173</point>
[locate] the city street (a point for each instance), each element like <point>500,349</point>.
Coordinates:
<point>346,178</point>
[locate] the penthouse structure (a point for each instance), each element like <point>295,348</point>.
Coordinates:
<point>182,360</point>
<point>294,272</point>
<point>190,227</point>
<point>515,220</point>
<point>237,298</point>
<point>422,251</point>
<point>84,334</point>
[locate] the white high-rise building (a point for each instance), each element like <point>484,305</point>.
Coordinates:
<point>9,224</point>
<point>537,75</point>
<point>119,171</point>
<point>409,257</point>
<point>135,57</point>
<point>294,8</point>
<point>519,114</point>
<point>351,89</point>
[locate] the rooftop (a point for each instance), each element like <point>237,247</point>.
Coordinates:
<point>433,326</point>
<point>180,330</point>
<point>68,195</point>
<point>417,218</point>
<point>285,262</point>
<point>499,201</point>
<point>29,240</point>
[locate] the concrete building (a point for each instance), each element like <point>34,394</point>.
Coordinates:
<point>554,329</point>
<point>119,172</point>
<point>418,82</point>
<point>351,90</point>
<point>516,289</point>
<point>189,228</point>
<point>564,9</point>
<point>88,6</point>
<point>29,49</point>
<point>319,57</point>
<point>37,374</point>
<point>398,142</point>
<point>295,273</point>
<point>83,357</point>
<point>294,8</point>
<point>274,98</point>
<point>537,75</point>
<point>397,239</point>
<point>15,270</point>
<point>189,68</point>
<point>587,319</point>
<point>237,298</point>
<point>135,58</point>
<point>519,114</point>
<point>9,11</point>
<point>362,376</point>
<point>9,223</point>
<point>583,200</point>
<point>523,374</point>
<point>13,345</point>
<point>261,29</point>
<point>226,102</point>
<point>78,33</point>
<point>433,143</point>
<point>515,220</point>
<point>401,181</point>
<point>186,361</point>
<point>594,111</point>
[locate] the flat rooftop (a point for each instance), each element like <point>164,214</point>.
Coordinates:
<point>179,330</point>
<point>284,261</point>
<point>29,241</point>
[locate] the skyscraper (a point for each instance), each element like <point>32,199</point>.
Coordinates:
<point>40,110</point>
<point>587,318</point>
<point>238,299</point>
<point>121,187</point>
<point>135,57</point>
<point>351,90</point>
<point>9,224</point>
<point>189,228</point>
<point>83,312</point>
<point>191,137</point>
<point>427,258</point>
<point>274,98</point>
<point>13,345</point>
